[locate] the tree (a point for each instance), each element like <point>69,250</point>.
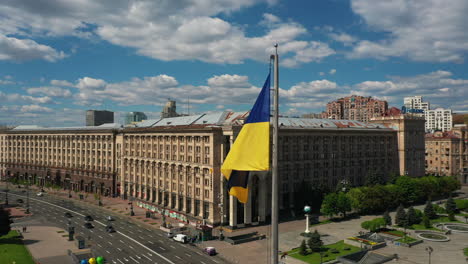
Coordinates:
<point>400,218</point>
<point>4,222</point>
<point>343,203</point>
<point>387,218</point>
<point>303,248</point>
<point>429,210</point>
<point>426,221</point>
<point>373,225</point>
<point>315,243</point>
<point>450,206</point>
<point>412,216</point>
<point>451,216</point>
<point>372,178</point>
<point>330,205</point>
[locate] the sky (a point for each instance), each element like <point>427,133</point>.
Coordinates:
<point>59,58</point>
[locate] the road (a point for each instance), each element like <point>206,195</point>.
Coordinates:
<point>131,243</point>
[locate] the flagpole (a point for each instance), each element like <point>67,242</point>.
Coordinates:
<point>274,166</point>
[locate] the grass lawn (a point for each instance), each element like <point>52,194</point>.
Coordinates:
<point>465,251</point>
<point>441,219</point>
<point>13,250</point>
<point>315,257</point>
<point>406,239</point>
<point>395,232</point>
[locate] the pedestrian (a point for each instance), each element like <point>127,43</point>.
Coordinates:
<point>25,228</point>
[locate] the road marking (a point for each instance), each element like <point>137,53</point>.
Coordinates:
<point>178,257</point>
<point>161,248</point>
<point>138,256</point>
<point>202,262</point>
<point>198,253</point>
<point>119,249</point>
<point>188,255</point>
<point>215,261</point>
<point>160,240</point>
<point>111,235</point>
<point>114,262</point>
<point>58,206</point>
<point>109,242</point>
<point>99,236</point>
<point>147,257</point>
<point>121,241</point>
<point>120,261</point>
<point>134,260</point>
<point>99,245</point>
<point>172,246</point>
<point>107,252</point>
<point>141,237</point>
<point>131,247</point>
<point>150,242</point>
<point>91,231</point>
<point>125,259</point>
<point>149,254</point>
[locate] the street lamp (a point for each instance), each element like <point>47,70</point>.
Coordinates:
<point>429,250</point>
<point>6,192</point>
<point>27,195</point>
<point>307,213</point>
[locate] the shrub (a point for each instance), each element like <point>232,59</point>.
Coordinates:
<point>429,210</point>
<point>303,248</point>
<point>461,204</point>
<point>335,251</point>
<point>426,221</point>
<point>400,218</point>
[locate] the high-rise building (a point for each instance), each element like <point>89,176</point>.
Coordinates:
<point>416,102</point>
<point>447,153</point>
<point>169,109</point>
<point>356,107</point>
<point>99,117</point>
<point>438,119</point>
<point>134,117</point>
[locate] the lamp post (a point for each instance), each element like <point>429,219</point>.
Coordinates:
<point>221,210</point>
<point>27,195</point>
<point>6,192</point>
<point>307,213</point>
<point>429,250</point>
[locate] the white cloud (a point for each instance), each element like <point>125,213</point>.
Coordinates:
<point>332,71</point>
<point>321,73</point>
<point>91,83</point>
<point>50,91</point>
<point>61,83</point>
<point>165,30</point>
<point>35,109</point>
<point>19,98</point>
<point>344,38</point>
<point>25,49</point>
<point>432,30</point>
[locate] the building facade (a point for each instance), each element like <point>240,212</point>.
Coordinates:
<point>172,166</point>
<point>356,107</point>
<point>438,119</point>
<point>416,102</point>
<point>447,153</point>
<point>134,117</point>
<point>169,110</point>
<point>99,117</point>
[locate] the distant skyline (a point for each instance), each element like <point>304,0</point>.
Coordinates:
<point>59,58</point>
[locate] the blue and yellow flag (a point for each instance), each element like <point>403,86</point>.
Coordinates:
<point>251,149</point>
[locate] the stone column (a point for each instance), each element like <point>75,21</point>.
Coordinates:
<point>262,199</point>
<point>248,207</point>
<point>232,211</point>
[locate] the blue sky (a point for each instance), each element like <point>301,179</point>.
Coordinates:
<point>61,57</point>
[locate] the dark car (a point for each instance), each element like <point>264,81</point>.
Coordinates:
<point>88,218</point>
<point>19,200</point>
<point>67,214</point>
<point>88,225</point>
<point>110,229</point>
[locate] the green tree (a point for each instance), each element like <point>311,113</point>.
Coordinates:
<point>400,217</point>
<point>410,189</point>
<point>315,243</point>
<point>426,221</point>
<point>450,206</point>
<point>373,178</point>
<point>429,210</point>
<point>451,216</point>
<point>5,221</point>
<point>343,203</point>
<point>330,205</point>
<point>412,216</point>
<point>373,225</point>
<point>387,218</point>
<point>303,248</point>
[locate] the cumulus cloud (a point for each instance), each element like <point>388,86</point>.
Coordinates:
<point>165,30</point>
<point>344,38</point>
<point>19,98</point>
<point>332,71</point>
<point>26,49</point>
<point>420,30</point>
<point>61,83</point>
<point>50,91</point>
<point>35,109</point>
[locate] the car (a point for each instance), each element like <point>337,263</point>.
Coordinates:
<point>109,218</point>
<point>88,218</point>
<point>19,200</point>
<point>170,234</point>
<point>110,229</point>
<point>88,225</point>
<point>210,251</point>
<point>181,238</point>
<point>40,194</point>
<point>68,215</point>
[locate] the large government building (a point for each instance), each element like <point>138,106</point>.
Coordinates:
<point>172,165</point>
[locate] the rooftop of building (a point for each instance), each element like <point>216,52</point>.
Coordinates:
<point>443,135</point>
<point>216,119</point>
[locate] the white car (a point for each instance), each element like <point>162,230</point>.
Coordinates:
<point>40,194</point>
<point>180,238</point>
<point>109,218</point>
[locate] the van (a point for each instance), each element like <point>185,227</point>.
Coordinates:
<point>180,238</point>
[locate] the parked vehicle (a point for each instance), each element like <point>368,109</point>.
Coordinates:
<point>170,235</point>
<point>40,194</point>
<point>109,218</point>
<point>68,215</point>
<point>181,238</point>
<point>88,218</point>
<point>210,251</point>
<point>88,225</point>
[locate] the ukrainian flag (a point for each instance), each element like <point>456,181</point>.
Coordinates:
<point>251,150</point>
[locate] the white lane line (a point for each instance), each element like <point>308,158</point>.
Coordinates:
<point>149,254</point>
<point>109,242</point>
<point>178,257</point>
<point>160,240</point>
<point>202,262</point>
<point>121,241</point>
<point>138,256</point>
<point>150,242</point>
<point>119,249</point>
<point>114,262</point>
<point>91,231</point>
<point>147,257</point>
<point>120,261</point>
<point>99,236</point>
<point>134,260</point>
<point>198,253</point>
<point>215,261</point>
<point>172,246</point>
<point>161,248</point>
<point>131,247</point>
<point>99,245</point>
<point>161,256</point>
<point>188,255</point>
<point>107,252</point>
<point>141,237</point>
<point>130,231</point>
<point>125,259</point>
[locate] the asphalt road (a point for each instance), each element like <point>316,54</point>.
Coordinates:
<point>131,243</point>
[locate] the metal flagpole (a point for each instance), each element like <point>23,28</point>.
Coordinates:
<point>274,167</point>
